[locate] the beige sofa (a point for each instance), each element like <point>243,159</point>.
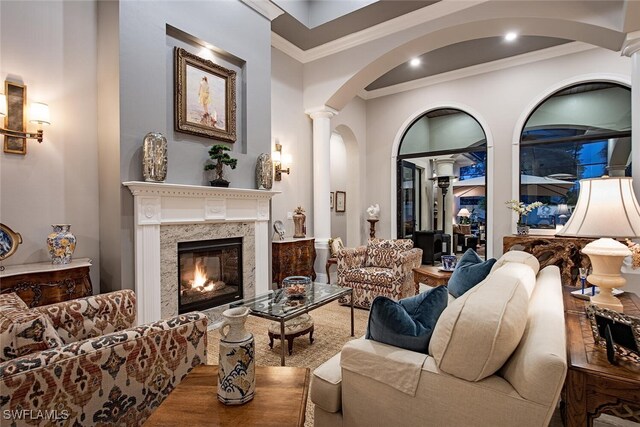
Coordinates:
<point>511,323</point>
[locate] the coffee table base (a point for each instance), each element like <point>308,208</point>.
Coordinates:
<point>290,338</point>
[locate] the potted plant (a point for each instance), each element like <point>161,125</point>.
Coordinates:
<point>522,210</point>
<point>222,159</point>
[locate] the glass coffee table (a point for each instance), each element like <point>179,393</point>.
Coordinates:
<point>279,307</point>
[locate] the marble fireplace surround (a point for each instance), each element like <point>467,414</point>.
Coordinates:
<point>165,214</point>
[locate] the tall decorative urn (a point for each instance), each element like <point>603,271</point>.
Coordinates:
<point>236,360</point>
<point>299,218</point>
<point>61,244</point>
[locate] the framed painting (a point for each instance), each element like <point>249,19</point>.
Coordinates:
<point>16,103</point>
<point>205,97</point>
<point>331,200</point>
<point>9,241</point>
<point>341,201</point>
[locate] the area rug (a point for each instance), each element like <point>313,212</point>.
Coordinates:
<point>332,329</point>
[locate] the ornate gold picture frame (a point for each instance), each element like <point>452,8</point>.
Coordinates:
<point>205,97</point>
<point>16,102</point>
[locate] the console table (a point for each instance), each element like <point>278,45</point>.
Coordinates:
<point>44,283</point>
<point>293,257</point>
<point>594,386</point>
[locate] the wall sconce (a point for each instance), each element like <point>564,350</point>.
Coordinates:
<point>279,161</point>
<point>13,109</point>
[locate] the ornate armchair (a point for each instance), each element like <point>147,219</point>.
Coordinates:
<point>84,362</point>
<point>382,267</point>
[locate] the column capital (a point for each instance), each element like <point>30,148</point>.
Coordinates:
<point>631,44</point>
<point>322,112</point>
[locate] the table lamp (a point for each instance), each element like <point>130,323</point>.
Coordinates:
<point>464,214</point>
<point>607,209</point>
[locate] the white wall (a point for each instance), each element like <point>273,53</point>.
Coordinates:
<point>51,47</point>
<point>291,127</point>
<point>500,98</point>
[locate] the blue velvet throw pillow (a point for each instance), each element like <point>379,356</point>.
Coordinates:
<point>407,323</point>
<point>470,271</point>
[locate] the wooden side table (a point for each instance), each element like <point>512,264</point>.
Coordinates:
<point>280,400</point>
<point>594,386</point>
<point>293,257</point>
<point>44,283</point>
<point>430,275</point>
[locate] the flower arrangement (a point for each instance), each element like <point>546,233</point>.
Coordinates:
<point>522,209</point>
<point>635,253</point>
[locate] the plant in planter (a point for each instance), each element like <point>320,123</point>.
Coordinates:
<point>522,210</point>
<point>222,159</point>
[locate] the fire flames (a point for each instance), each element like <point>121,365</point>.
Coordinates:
<point>200,280</point>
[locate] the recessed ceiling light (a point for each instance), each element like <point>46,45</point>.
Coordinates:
<point>415,62</point>
<point>511,36</point>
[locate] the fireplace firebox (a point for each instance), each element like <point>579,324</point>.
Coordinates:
<point>209,273</point>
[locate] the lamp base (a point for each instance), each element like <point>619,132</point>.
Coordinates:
<point>606,258</point>
<point>613,304</point>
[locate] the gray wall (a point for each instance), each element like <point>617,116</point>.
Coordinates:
<point>146,102</point>
<point>51,47</point>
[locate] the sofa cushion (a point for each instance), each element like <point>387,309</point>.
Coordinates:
<point>409,322</point>
<point>378,276</point>
<point>518,257</point>
<point>470,270</point>
<point>326,385</point>
<point>477,333</point>
<point>23,331</point>
<point>384,253</point>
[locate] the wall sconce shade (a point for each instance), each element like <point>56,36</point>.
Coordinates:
<point>3,105</point>
<point>39,113</point>
<point>278,161</point>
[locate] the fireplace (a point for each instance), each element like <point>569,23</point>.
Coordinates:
<point>209,273</point>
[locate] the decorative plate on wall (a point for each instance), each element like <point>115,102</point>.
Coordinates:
<point>9,241</point>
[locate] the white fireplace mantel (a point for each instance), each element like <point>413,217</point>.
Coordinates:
<point>159,203</point>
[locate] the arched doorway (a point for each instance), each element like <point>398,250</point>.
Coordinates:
<point>441,179</point>
<point>579,131</point>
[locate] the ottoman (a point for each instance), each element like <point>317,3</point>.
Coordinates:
<point>293,328</point>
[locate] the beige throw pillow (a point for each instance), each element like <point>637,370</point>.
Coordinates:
<point>477,333</point>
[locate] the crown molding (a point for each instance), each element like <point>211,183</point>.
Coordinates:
<point>264,8</point>
<point>500,64</point>
<point>631,44</point>
<point>392,26</point>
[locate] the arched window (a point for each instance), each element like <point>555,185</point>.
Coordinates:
<point>583,131</point>
<point>445,142</point>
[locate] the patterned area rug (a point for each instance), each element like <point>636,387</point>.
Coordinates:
<point>332,329</point>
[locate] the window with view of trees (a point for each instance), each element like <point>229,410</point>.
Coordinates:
<point>583,131</point>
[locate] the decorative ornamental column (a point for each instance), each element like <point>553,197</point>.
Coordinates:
<point>631,48</point>
<point>321,186</point>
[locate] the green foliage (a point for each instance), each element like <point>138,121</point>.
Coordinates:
<point>221,158</point>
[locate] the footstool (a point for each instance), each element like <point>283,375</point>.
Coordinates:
<point>293,328</point>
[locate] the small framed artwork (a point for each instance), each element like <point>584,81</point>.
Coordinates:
<point>618,332</point>
<point>331,200</point>
<point>16,120</point>
<point>205,97</point>
<point>341,201</point>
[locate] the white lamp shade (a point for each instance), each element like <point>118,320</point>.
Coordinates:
<point>607,207</point>
<point>3,105</point>
<point>464,212</point>
<point>276,156</point>
<point>39,113</point>
<point>286,160</point>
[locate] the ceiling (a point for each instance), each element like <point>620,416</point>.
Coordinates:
<point>311,23</point>
<point>462,55</point>
<point>301,31</point>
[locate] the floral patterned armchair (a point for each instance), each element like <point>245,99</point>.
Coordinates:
<point>382,267</point>
<point>83,362</point>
